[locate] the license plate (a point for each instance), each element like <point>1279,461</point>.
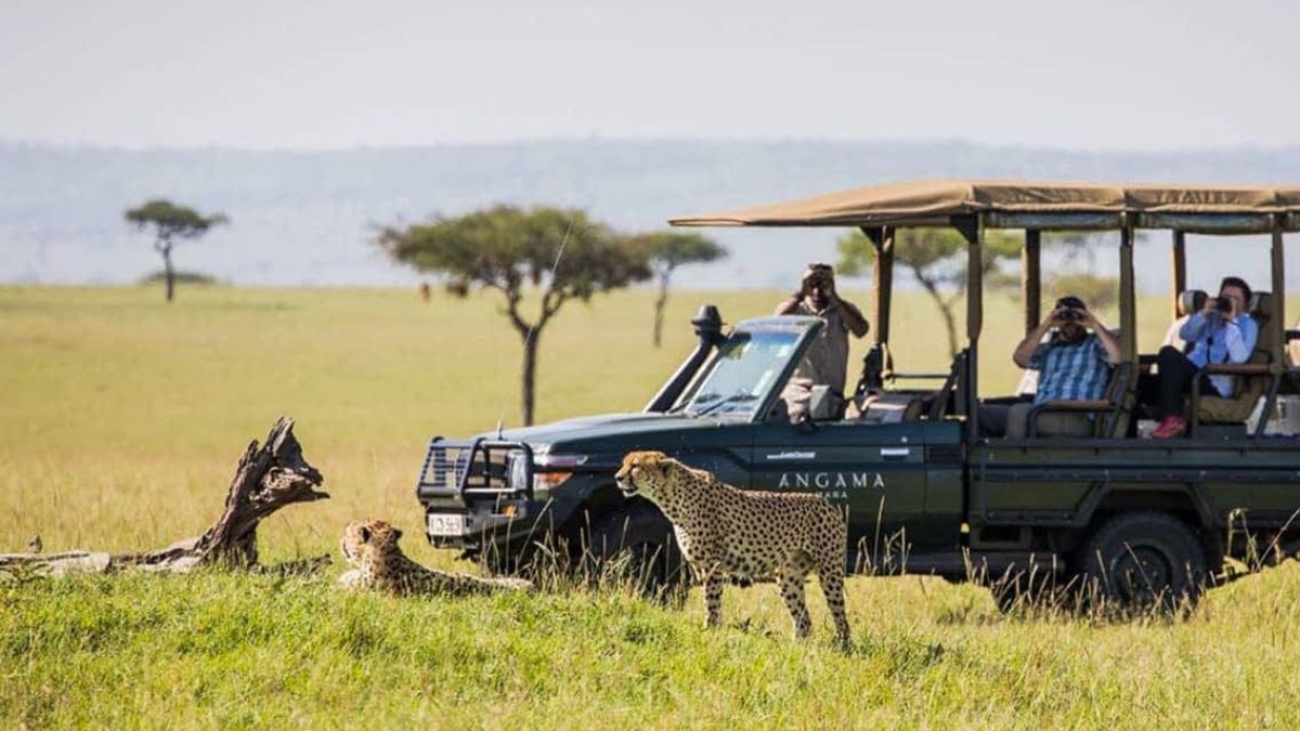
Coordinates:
<point>446,525</point>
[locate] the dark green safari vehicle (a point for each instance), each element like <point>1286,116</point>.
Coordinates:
<point>925,493</point>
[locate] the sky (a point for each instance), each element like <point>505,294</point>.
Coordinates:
<point>326,74</point>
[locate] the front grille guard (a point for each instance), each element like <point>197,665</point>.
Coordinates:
<point>472,468</point>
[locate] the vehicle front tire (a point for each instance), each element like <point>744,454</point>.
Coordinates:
<point>637,541</point>
<point>1143,561</point>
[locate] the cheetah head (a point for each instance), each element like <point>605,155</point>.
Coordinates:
<point>651,474</point>
<point>364,541</point>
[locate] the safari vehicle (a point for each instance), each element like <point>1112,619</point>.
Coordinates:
<point>925,493</point>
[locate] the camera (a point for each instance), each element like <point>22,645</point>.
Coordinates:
<point>1070,315</point>
<point>1223,304</point>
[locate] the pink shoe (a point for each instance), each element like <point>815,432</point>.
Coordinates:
<point>1170,427</point>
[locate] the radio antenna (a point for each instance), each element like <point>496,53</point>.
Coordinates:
<point>532,329</point>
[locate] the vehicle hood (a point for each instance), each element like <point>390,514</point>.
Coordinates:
<point>615,432</point>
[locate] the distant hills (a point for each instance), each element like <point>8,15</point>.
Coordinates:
<point>304,218</point>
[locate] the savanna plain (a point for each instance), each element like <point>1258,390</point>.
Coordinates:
<point>122,418</point>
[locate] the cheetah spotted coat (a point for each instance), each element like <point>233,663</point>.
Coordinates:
<point>726,532</point>
<point>371,546</point>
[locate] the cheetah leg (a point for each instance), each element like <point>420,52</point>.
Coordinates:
<point>713,598</point>
<point>792,593</point>
<point>832,581</point>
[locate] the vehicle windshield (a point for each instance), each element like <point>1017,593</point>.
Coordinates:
<point>746,366</point>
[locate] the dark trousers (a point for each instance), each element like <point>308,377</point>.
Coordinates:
<point>1165,390</point>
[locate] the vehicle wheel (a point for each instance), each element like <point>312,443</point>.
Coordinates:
<point>636,543</point>
<point>1145,560</point>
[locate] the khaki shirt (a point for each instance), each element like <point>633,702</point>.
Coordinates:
<point>827,359</point>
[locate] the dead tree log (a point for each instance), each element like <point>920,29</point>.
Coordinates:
<point>269,477</point>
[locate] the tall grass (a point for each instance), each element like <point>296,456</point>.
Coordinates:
<point>121,420</point>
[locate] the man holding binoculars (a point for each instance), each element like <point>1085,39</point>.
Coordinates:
<point>826,362</point>
<point>1073,364</point>
<point>1222,332</point>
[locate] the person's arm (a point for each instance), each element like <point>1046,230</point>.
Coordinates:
<point>849,312</point>
<point>1024,352</point>
<point>1194,328</point>
<point>1108,341</point>
<point>1239,336</point>
<point>852,316</point>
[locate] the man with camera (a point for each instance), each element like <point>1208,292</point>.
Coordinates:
<point>827,361</point>
<point>1073,364</point>
<point>1221,332</point>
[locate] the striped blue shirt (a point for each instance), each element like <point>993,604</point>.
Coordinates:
<point>1071,371</point>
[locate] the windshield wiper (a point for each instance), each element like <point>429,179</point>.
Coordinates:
<point>735,398</point>
<point>704,398</point>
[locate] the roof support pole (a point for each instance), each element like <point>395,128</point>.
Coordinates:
<point>1278,314</point>
<point>1178,262</point>
<point>1031,277</point>
<point>1127,297</point>
<point>882,280</point>
<point>877,363</point>
<point>972,228</point>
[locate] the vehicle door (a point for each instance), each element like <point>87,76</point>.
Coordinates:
<point>876,471</point>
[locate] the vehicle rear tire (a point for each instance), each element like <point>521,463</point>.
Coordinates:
<point>637,541</point>
<point>1146,560</point>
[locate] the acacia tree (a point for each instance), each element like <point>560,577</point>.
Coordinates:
<point>667,250</point>
<point>560,252</point>
<point>171,223</point>
<point>936,257</point>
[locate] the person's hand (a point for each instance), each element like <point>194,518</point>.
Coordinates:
<point>806,284</point>
<point>828,285</point>
<point>1089,320</point>
<point>1053,317</point>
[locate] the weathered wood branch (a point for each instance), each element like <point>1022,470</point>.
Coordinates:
<point>268,477</point>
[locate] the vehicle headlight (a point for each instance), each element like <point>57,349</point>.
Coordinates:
<point>518,471</point>
<point>547,471</point>
<point>554,469</point>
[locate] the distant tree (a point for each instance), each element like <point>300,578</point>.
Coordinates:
<point>170,223</point>
<point>667,250</point>
<point>180,276</point>
<point>936,257</point>
<point>560,252</point>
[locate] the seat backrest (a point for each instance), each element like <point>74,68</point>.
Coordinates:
<point>1261,310</point>
<point>1121,392</point>
<point>1191,302</point>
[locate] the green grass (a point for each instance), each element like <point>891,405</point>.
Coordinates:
<point>121,419</point>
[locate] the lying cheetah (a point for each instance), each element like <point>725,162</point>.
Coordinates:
<point>724,531</point>
<point>371,546</point>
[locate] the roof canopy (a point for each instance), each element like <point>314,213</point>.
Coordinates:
<point>1030,204</point>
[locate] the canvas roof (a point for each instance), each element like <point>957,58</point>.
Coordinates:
<point>935,201</point>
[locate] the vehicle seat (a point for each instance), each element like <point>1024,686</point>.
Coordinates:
<point>1252,377</point>
<point>886,408</point>
<point>1111,413</point>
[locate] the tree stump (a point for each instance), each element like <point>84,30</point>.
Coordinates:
<point>267,478</point>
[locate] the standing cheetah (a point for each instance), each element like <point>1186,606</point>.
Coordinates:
<point>724,532</point>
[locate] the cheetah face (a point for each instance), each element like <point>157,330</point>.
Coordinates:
<point>364,540</point>
<point>646,473</point>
